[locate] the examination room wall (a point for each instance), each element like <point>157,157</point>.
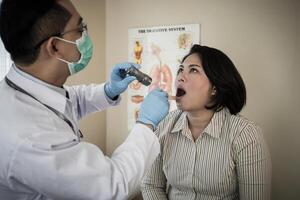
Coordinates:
<point>93,13</point>
<point>261,37</point>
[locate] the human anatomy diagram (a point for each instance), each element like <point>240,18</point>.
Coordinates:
<point>159,51</point>
<point>160,73</point>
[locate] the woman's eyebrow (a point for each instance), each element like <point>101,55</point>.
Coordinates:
<point>191,65</point>
<point>194,65</point>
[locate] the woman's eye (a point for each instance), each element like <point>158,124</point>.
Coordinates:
<point>193,70</point>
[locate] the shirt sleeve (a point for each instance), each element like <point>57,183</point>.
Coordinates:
<point>90,98</point>
<point>70,170</point>
<point>253,164</point>
<point>154,183</point>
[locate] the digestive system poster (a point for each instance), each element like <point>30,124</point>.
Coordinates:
<point>159,51</point>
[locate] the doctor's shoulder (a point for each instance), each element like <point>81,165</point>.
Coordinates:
<point>26,121</point>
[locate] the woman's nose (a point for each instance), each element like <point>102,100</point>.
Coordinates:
<point>181,77</point>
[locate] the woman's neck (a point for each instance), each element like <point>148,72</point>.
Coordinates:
<point>198,120</point>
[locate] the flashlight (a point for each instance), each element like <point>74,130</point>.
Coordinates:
<point>140,76</point>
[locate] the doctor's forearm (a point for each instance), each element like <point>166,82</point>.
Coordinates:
<point>90,98</point>
<point>136,155</point>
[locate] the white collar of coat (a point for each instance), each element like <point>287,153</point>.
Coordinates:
<point>40,91</point>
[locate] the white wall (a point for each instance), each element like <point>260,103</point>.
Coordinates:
<point>261,37</point>
<point>93,13</point>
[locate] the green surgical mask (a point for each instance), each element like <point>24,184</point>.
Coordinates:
<point>85,47</point>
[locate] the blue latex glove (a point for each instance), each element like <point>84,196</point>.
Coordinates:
<point>117,84</point>
<point>154,108</point>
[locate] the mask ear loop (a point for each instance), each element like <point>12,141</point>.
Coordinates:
<point>62,39</point>
<point>71,42</point>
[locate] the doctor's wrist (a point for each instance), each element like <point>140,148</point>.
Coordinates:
<point>109,93</point>
<point>148,125</point>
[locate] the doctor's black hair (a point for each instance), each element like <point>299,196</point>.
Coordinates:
<point>224,77</point>
<point>24,23</point>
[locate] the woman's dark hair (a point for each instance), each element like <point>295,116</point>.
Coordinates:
<point>24,23</point>
<point>223,75</point>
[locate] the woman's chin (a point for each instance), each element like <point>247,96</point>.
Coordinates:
<point>180,106</point>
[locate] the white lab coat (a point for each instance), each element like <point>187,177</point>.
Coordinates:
<point>42,158</point>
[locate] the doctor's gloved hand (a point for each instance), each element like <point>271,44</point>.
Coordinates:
<point>154,108</point>
<point>117,83</point>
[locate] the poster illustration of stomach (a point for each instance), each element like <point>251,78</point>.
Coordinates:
<point>159,51</point>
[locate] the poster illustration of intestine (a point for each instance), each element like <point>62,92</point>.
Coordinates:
<point>159,51</point>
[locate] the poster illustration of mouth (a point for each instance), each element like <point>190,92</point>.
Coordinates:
<point>159,50</point>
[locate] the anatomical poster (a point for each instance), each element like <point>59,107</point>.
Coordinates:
<point>159,51</point>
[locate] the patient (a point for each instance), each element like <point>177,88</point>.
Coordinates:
<point>208,150</point>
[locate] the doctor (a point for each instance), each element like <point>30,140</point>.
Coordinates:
<point>42,155</point>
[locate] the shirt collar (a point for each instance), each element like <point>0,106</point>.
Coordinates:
<point>213,128</point>
<point>48,94</point>
<point>215,125</point>
<point>180,124</point>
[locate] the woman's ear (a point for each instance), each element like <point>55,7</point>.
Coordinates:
<point>214,91</point>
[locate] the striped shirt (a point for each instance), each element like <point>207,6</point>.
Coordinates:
<point>229,160</point>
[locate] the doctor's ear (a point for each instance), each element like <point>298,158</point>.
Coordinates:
<point>51,46</point>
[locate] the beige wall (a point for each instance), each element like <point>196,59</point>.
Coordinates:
<point>93,13</point>
<point>261,37</point>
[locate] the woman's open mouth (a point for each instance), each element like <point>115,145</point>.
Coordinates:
<point>180,92</point>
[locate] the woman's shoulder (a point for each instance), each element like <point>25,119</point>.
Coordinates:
<point>240,126</point>
<point>240,120</point>
<point>247,136</point>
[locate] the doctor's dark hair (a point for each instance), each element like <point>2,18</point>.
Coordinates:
<point>24,23</point>
<point>224,77</point>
